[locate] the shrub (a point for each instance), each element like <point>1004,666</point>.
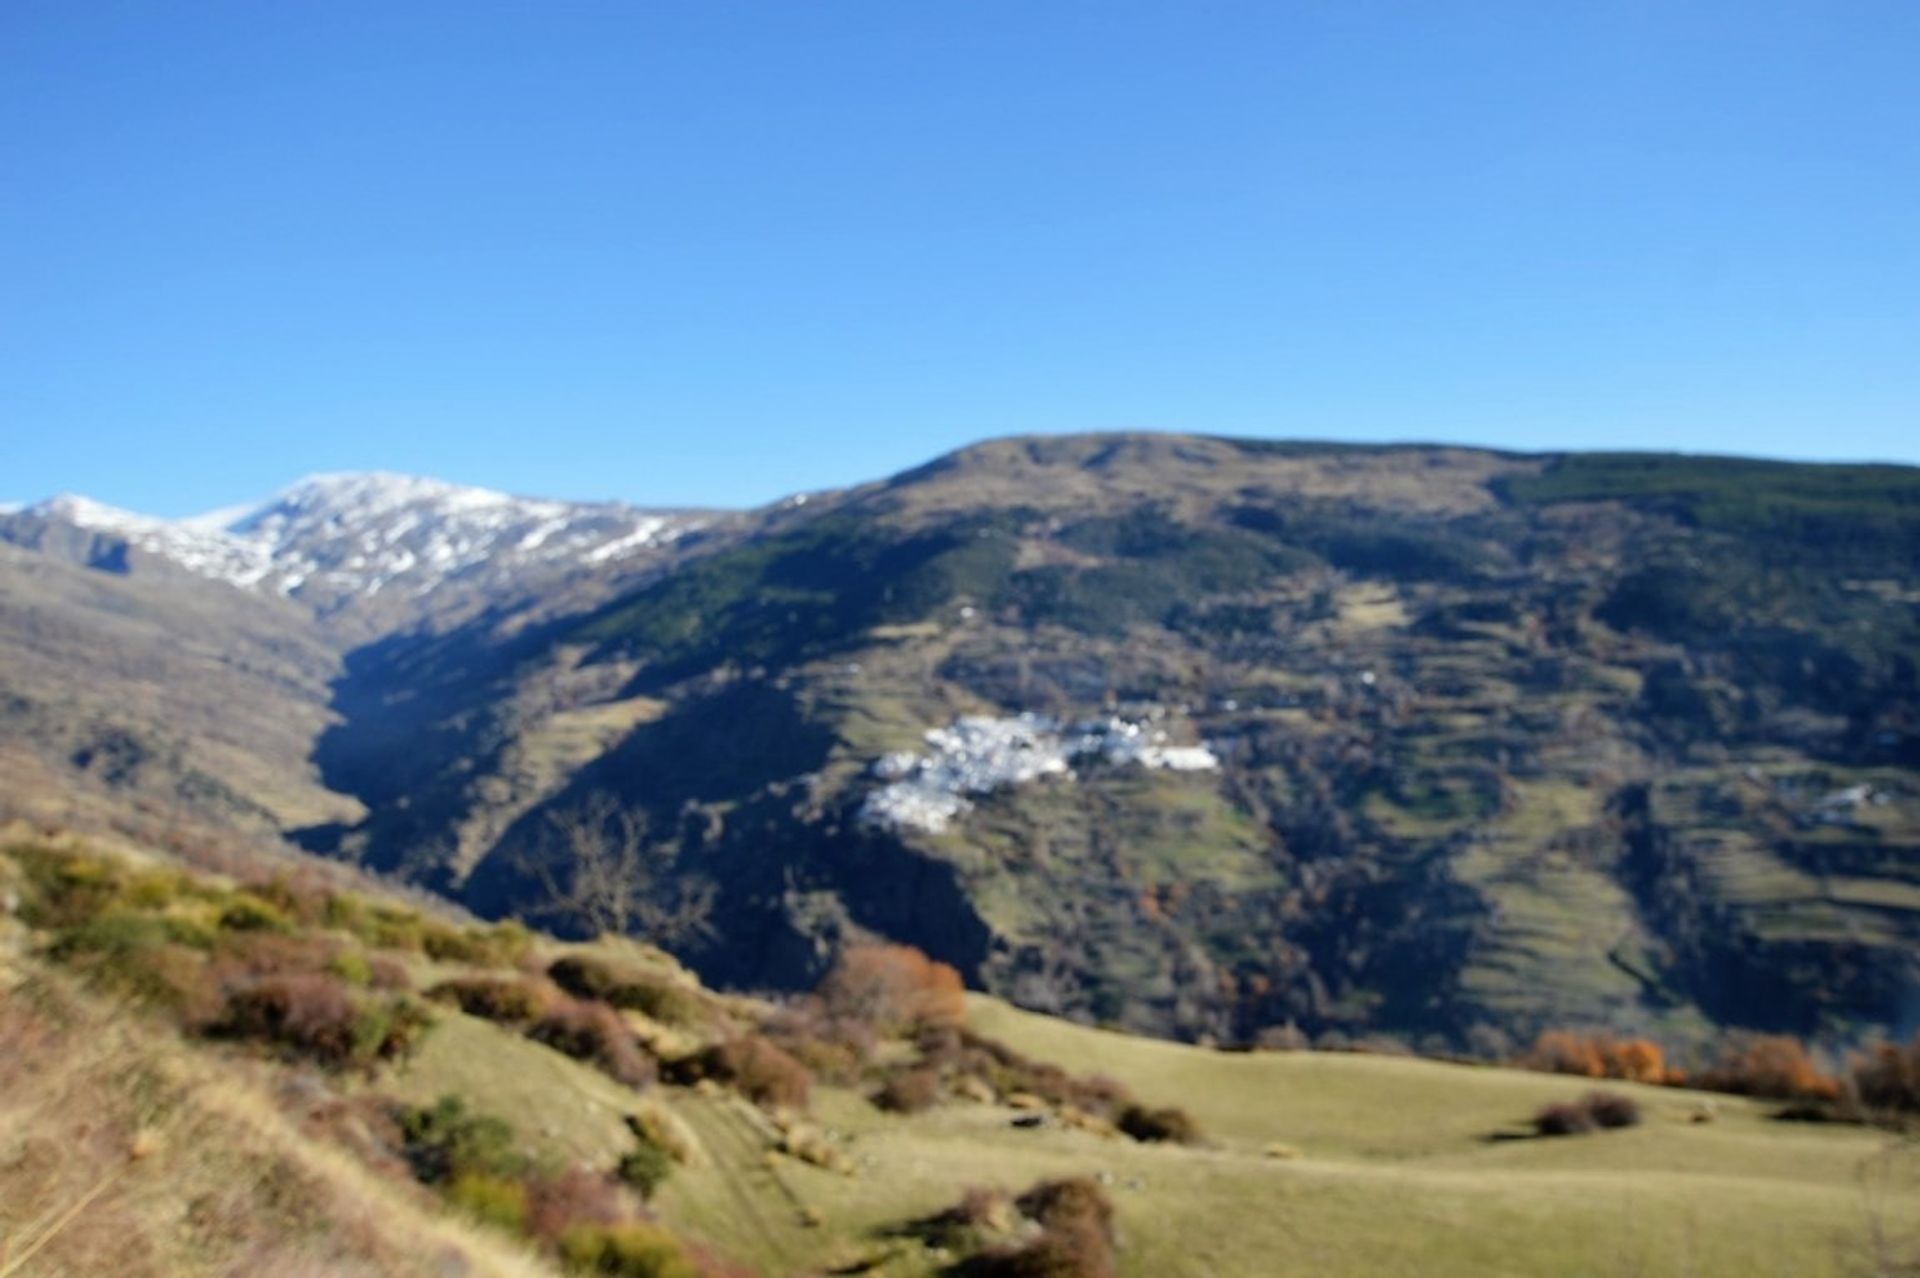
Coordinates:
<point>492,1200</point>
<point>1282,1038</point>
<point>254,954</point>
<point>381,926</point>
<point>446,1141</point>
<point>630,1250</point>
<point>657,1127</point>
<point>833,1048</point>
<point>315,1016</point>
<point>384,972</point>
<point>66,890</point>
<point>1774,1067</point>
<point>1611,1109</point>
<point>1006,1072</point>
<point>910,1091</point>
<point>645,1167</point>
<point>137,955</point>
<point>1590,1113</point>
<point>502,945</point>
<point>1887,1077</point>
<point>1076,1239</point>
<point>1055,1254</point>
<point>1565,1118</point>
<point>894,987</point>
<point>493,998</point>
<point>1634,1060</point>
<point>303,899</point>
<point>594,1032</point>
<point>759,1070</point>
<point>1169,1125</point>
<point>1074,1201</point>
<point>659,997</point>
<point>245,912</point>
<point>556,1204</point>
<point>352,967</point>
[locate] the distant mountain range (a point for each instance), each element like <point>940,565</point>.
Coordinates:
<point>334,541</point>
<point>1189,735</point>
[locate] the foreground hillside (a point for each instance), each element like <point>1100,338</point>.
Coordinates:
<point>146,1137</point>
<point>1204,737</point>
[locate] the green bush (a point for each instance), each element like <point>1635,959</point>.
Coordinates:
<point>625,1251</point>
<point>646,1168</point>
<point>352,967</point>
<point>659,997</point>
<point>245,912</point>
<point>493,1200</point>
<point>446,1141</point>
<point>142,956</point>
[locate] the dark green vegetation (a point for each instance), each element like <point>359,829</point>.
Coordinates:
<point>1506,742</point>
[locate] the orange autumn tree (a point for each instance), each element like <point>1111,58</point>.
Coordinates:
<point>1772,1066</point>
<point>1634,1060</point>
<point>894,988</point>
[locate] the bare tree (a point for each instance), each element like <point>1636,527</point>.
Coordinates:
<point>601,872</point>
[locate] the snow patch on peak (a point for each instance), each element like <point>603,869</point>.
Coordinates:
<point>366,532</point>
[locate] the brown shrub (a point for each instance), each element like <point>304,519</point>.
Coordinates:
<point>1076,1239</point>
<point>1611,1109</point>
<point>1564,1118</point>
<point>893,988</point>
<point>759,1070</point>
<point>834,1048</point>
<point>300,895</point>
<point>1076,1200</point>
<point>1634,1060</point>
<point>138,955</point>
<point>1006,1072</point>
<point>1887,1077</point>
<point>1169,1125</point>
<point>1056,1253</point>
<point>1590,1113</point>
<point>1282,1038</point>
<point>558,1203</point>
<point>385,972</point>
<point>1771,1066</point>
<point>659,997</point>
<point>316,1016</point>
<point>494,998</point>
<point>594,1032</point>
<point>909,1091</point>
<point>256,954</point>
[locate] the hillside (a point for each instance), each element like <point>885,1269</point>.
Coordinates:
<point>1194,737</point>
<point>153,1121</point>
<point>159,695</point>
<point>1445,743</point>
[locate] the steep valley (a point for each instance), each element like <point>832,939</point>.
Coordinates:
<point>1437,743</point>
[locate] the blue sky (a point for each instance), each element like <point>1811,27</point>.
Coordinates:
<point>712,252</point>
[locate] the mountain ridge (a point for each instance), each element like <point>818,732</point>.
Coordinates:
<point>1501,739</point>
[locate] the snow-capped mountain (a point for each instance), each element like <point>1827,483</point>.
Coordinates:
<point>330,538</point>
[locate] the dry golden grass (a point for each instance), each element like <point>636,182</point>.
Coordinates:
<point>124,1152</point>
